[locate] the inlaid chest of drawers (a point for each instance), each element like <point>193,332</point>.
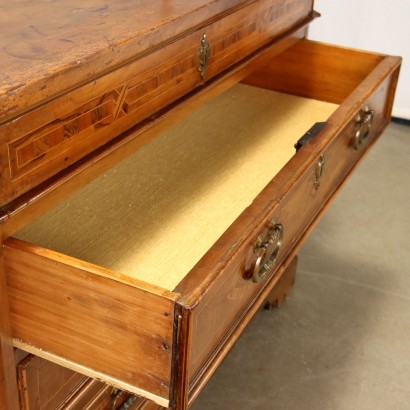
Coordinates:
<point>151,194</point>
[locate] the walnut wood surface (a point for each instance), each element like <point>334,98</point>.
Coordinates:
<point>121,333</point>
<point>101,395</point>
<point>94,395</point>
<point>49,138</point>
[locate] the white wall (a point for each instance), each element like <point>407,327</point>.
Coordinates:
<point>375,25</point>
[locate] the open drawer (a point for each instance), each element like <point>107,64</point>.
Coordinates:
<point>146,277</point>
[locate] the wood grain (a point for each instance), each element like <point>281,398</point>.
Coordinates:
<point>121,333</point>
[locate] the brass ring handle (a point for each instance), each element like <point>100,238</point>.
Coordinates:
<point>364,121</point>
<point>267,252</point>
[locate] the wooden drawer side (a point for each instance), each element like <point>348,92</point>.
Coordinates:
<point>84,320</point>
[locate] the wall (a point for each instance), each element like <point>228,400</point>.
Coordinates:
<point>375,25</point>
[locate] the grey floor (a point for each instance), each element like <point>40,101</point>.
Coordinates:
<point>342,340</point>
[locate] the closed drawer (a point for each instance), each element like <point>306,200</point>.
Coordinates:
<point>95,395</point>
<point>37,144</point>
<point>43,385</point>
<point>150,266</point>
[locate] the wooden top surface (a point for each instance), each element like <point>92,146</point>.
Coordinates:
<point>49,46</point>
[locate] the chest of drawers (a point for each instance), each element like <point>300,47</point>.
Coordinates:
<point>152,195</point>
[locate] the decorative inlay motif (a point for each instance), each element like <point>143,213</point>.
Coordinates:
<point>90,117</point>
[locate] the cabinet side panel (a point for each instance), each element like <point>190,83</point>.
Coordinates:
<point>8,385</point>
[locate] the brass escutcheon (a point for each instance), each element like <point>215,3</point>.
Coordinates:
<point>204,53</point>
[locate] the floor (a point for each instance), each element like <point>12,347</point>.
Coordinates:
<point>342,340</point>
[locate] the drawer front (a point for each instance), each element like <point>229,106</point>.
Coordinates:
<point>44,385</point>
<point>317,171</point>
<point>47,139</point>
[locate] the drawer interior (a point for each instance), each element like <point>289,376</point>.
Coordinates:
<point>157,213</point>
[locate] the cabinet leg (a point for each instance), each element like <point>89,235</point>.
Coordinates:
<point>283,287</point>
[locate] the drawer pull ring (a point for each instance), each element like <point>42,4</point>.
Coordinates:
<point>364,122</point>
<point>267,252</point>
<point>203,54</point>
<point>320,167</point>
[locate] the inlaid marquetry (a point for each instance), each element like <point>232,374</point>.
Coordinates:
<point>53,136</point>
